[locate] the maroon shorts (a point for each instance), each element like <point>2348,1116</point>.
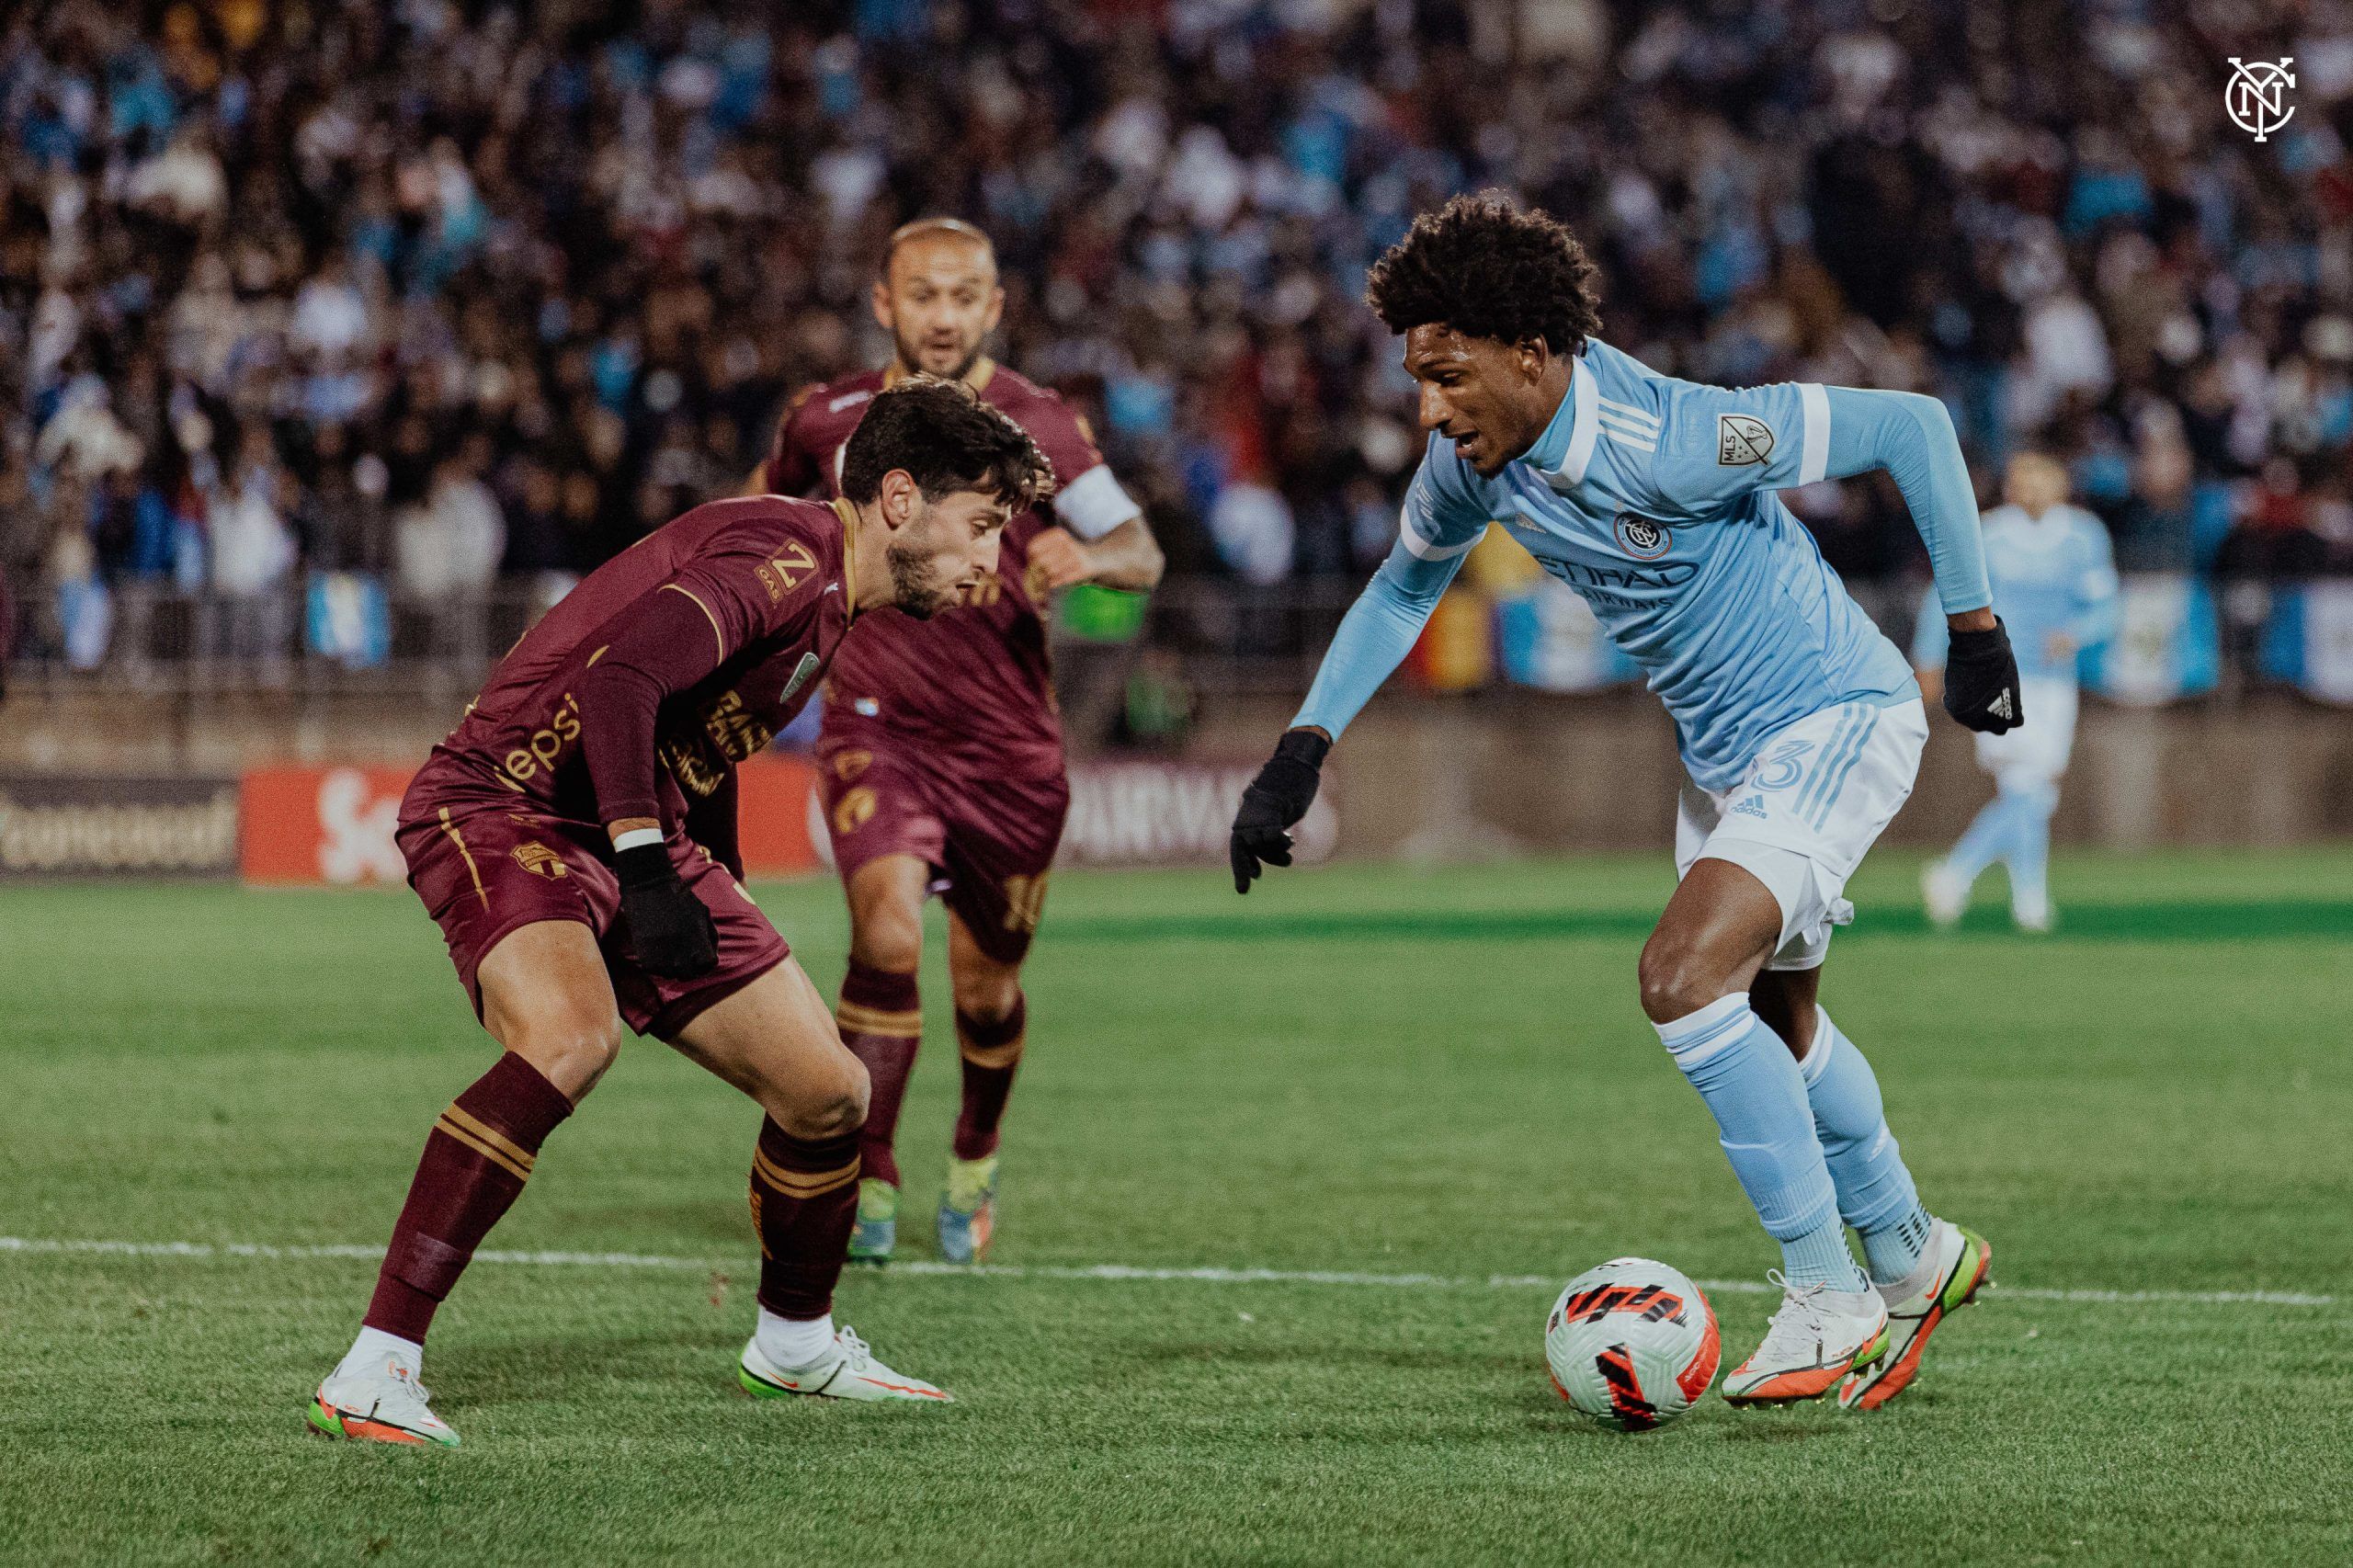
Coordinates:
<point>483,869</point>
<point>989,836</point>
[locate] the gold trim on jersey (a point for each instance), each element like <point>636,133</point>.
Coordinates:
<point>467,854</point>
<point>848,515</point>
<point>715,632</point>
<point>978,377</point>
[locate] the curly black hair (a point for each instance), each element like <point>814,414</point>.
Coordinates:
<point>946,440</point>
<point>1486,267</point>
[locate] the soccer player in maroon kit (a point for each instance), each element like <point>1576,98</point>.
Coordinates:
<point>941,754</point>
<point>545,836</point>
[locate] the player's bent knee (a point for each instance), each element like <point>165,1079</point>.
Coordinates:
<point>827,1110</point>
<point>888,938</point>
<point>570,1049</point>
<point>1677,982</point>
<point>988,998</point>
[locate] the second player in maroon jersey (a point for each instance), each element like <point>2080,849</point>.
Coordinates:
<point>546,838</point>
<point>941,756</point>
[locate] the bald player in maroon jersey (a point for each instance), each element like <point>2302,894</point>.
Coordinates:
<point>941,755</point>
<point>545,836</point>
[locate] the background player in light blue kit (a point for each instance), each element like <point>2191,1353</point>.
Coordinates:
<point>2054,580</point>
<point>1801,725</point>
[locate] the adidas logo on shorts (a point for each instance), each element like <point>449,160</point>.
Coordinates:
<point>1752,807</point>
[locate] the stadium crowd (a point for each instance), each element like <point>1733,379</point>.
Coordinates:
<point>450,293</point>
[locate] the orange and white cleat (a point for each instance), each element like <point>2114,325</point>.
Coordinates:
<point>846,1370</point>
<point>379,1401</point>
<point>1817,1337</point>
<point>1952,1268</point>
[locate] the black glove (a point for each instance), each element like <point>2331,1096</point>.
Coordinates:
<point>1277,798</point>
<point>670,928</point>
<point>1981,681</point>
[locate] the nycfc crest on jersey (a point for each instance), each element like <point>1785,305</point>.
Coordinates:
<point>1643,539</point>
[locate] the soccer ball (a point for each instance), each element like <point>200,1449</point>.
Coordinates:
<point>1631,1343</point>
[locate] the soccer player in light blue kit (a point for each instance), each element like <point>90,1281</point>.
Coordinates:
<point>1800,724</point>
<point>2055,579</point>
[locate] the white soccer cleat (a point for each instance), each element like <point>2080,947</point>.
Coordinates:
<point>1952,1268</point>
<point>846,1370</point>
<point>1945,893</point>
<point>2032,915</point>
<point>1817,1337</point>
<point>379,1402</point>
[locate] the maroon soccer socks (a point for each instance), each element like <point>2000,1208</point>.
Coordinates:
<point>881,1022</point>
<point>477,1160</point>
<point>804,1201</point>
<point>991,1053</point>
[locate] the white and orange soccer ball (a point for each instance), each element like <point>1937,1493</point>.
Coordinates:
<point>1631,1343</point>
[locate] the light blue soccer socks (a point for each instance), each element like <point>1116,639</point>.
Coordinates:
<point>1754,1091</point>
<point>1875,1192</point>
<point>2013,827</point>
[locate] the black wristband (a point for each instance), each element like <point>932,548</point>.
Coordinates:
<point>1310,746</point>
<point>1970,644</point>
<point>644,866</point>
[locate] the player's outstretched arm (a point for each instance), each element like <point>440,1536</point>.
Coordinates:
<point>1913,438</point>
<point>1373,639</point>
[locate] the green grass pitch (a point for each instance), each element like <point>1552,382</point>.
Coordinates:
<point>1379,1071</point>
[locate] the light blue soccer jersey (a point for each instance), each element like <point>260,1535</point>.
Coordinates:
<point>2051,575</point>
<point>1653,498</point>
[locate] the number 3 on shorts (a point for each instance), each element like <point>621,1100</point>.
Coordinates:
<point>1784,767</point>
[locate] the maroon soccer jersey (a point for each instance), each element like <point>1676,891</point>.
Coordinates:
<point>976,679</point>
<point>692,648</point>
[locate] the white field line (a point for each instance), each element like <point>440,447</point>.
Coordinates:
<point>1097,1271</point>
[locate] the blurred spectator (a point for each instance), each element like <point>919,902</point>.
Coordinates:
<point>252,554</point>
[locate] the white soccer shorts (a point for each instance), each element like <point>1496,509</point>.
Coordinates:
<point>1815,799</point>
<point>2035,753</point>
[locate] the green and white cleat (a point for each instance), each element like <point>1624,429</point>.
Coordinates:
<point>968,1209</point>
<point>846,1370</point>
<point>382,1403</point>
<point>1817,1337</point>
<point>878,1223</point>
<point>1952,1268</point>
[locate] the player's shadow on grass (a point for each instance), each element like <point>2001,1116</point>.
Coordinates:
<point>526,1371</point>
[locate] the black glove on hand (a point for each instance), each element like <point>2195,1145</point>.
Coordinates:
<point>670,928</point>
<point>1277,798</point>
<point>1981,681</point>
